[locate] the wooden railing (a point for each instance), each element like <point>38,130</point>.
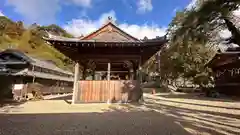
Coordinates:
<point>108,91</point>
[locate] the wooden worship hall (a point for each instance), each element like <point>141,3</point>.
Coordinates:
<point>226,70</point>
<point>110,61</point>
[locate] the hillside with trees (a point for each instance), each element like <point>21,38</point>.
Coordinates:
<point>29,40</point>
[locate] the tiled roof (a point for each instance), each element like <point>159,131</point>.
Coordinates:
<point>110,33</point>
<point>114,36</point>
<point>60,38</point>
<point>107,33</point>
<point>101,38</point>
<point>230,53</point>
<point>27,72</point>
<point>35,61</point>
<point>48,65</point>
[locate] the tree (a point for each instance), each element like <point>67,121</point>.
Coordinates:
<point>57,30</point>
<point>13,30</point>
<point>191,34</point>
<point>145,38</point>
<point>4,21</point>
<point>188,50</point>
<point>207,19</point>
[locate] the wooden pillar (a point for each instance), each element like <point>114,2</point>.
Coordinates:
<point>140,79</point>
<point>158,61</point>
<point>93,75</point>
<point>135,70</point>
<point>140,70</point>
<point>131,74</point>
<point>140,67</point>
<point>158,77</point>
<point>75,84</point>
<point>84,72</point>
<point>140,74</point>
<point>108,78</point>
<point>109,71</point>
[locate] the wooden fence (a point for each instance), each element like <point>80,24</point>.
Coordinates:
<point>41,90</point>
<point>108,91</point>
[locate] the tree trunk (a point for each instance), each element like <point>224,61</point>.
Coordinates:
<point>234,31</point>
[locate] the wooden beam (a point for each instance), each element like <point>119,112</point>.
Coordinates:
<point>75,84</point>
<point>109,71</point>
<point>103,57</point>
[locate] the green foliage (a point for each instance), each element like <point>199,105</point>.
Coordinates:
<point>204,22</point>
<point>4,21</point>
<point>12,29</point>
<point>14,35</point>
<point>56,30</point>
<point>192,33</point>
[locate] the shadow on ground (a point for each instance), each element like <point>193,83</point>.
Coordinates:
<point>66,98</point>
<point>189,103</point>
<point>10,102</point>
<point>6,106</point>
<point>201,97</point>
<point>108,123</point>
<point>153,117</point>
<point>197,121</point>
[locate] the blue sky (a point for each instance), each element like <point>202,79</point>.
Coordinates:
<point>138,17</point>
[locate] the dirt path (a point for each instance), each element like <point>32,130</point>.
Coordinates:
<point>53,104</point>
<point>162,114</point>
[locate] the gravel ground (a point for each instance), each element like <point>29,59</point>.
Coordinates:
<point>161,114</point>
<point>198,114</point>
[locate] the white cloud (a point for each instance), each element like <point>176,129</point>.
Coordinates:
<point>140,31</point>
<point>236,17</point>
<point>36,10</point>
<point>1,14</point>
<point>192,4</point>
<point>237,12</point>
<point>42,11</point>
<point>128,3</point>
<point>224,34</point>
<point>144,6</point>
<point>175,10</point>
<point>83,26</point>
<point>83,3</point>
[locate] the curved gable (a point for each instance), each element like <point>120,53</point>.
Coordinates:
<point>110,33</point>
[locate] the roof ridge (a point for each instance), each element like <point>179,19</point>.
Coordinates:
<point>83,38</point>
<point>109,23</point>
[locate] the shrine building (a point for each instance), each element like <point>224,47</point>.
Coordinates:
<point>107,63</point>
<point>226,71</point>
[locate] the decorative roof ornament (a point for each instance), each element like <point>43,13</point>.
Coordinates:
<point>110,19</point>
<point>82,36</point>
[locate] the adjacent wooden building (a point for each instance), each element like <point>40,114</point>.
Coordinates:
<point>226,70</point>
<point>24,74</point>
<point>113,59</point>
